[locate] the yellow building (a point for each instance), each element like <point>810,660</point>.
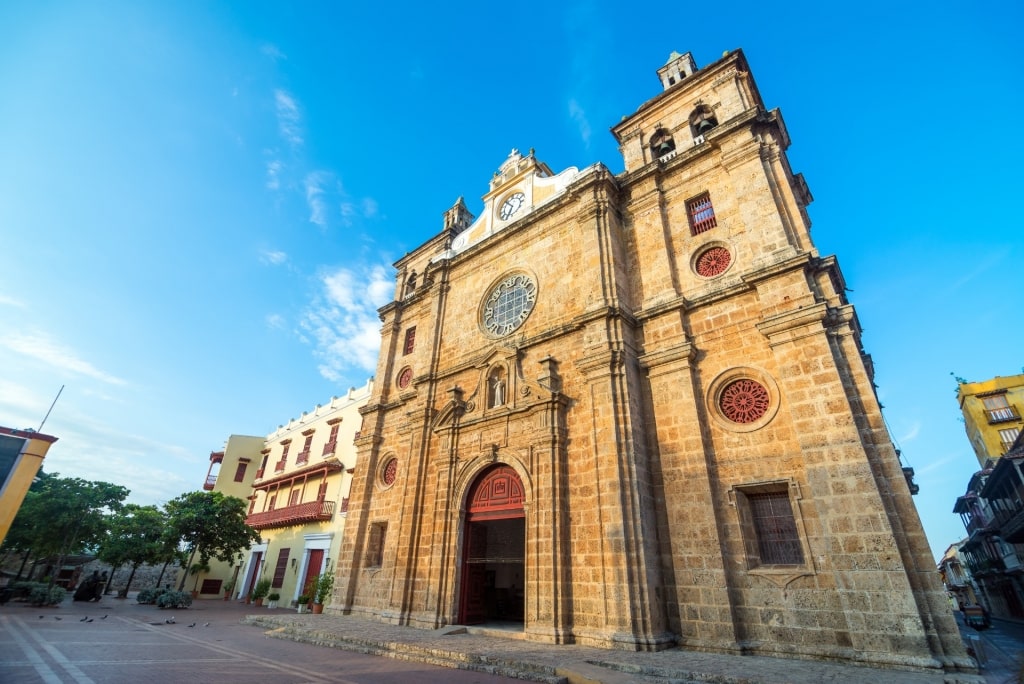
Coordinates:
<point>21,456</point>
<point>991,410</point>
<point>299,499</point>
<point>231,472</point>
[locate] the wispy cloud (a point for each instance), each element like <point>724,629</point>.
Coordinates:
<point>370,207</point>
<point>314,184</point>
<point>915,430</point>
<point>342,321</point>
<point>275,321</point>
<point>40,347</point>
<point>11,301</point>
<point>289,119</point>
<point>577,114</point>
<point>274,167</point>
<point>272,51</point>
<point>273,257</point>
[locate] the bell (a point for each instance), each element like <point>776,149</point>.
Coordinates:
<point>705,125</point>
<point>665,147</point>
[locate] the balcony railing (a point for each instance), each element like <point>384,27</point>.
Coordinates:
<point>330,447</point>
<point>279,466</point>
<point>211,480</point>
<point>1002,414</point>
<point>302,458</point>
<point>344,505</point>
<point>292,515</point>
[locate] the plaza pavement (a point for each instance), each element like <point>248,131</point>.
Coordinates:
<point>496,651</point>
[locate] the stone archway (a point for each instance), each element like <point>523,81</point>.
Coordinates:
<point>494,549</point>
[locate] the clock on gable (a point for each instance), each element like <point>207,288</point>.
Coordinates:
<point>512,205</point>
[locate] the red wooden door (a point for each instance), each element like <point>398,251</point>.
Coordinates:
<point>254,572</point>
<point>474,576</point>
<point>316,559</point>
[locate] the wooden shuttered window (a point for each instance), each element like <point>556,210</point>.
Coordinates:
<point>282,566</point>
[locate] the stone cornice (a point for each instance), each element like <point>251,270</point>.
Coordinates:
<point>773,327</point>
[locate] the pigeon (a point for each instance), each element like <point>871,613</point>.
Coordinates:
<point>206,624</point>
<point>169,621</point>
<point>57,617</point>
<point>192,625</point>
<point>41,617</point>
<point>89,620</point>
<point>85,619</point>
<point>103,618</point>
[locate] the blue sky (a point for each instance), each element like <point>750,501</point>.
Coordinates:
<point>200,202</point>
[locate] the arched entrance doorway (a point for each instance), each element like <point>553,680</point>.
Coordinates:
<point>494,549</point>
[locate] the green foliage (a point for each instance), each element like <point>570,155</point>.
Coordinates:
<point>274,597</point>
<point>324,584</point>
<point>261,589</point>
<point>302,600</point>
<point>64,515</point>
<point>209,524</point>
<point>41,595</point>
<point>150,595</point>
<point>135,537</point>
<point>174,599</point>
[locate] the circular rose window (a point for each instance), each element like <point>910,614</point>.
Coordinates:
<point>404,378</point>
<point>390,472</point>
<point>744,401</point>
<point>713,262</point>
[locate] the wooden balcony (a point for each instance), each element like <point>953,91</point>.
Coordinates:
<point>1002,415</point>
<point>291,515</point>
<point>211,480</point>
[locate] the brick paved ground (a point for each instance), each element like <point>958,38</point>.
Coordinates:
<point>549,663</point>
<point>135,643</point>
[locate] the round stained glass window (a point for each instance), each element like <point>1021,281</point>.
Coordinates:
<point>404,378</point>
<point>508,304</point>
<point>713,262</point>
<point>390,472</point>
<point>744,401</point>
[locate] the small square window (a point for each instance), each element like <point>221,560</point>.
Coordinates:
<point>410,340</point>
<point>701,214</point>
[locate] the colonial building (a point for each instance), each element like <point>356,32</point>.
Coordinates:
<point>299,497</point>
<point>632,410</point>
<point>991,410</point>
<point>231,472</point>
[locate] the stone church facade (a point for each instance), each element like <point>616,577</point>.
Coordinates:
<point>633,411</point>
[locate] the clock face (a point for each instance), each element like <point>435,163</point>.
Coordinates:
<point>512,205</point>
<point>508,304</point>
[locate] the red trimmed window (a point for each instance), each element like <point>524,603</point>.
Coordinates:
<point>332,441</point>
<point>270,504</point>
<point>701,213</point>
<point>293,498</point>
<point>410,340</point>
<point>321,493</point>
<point>240,472</point>
<point>282,566</point>
<point>303,456</point>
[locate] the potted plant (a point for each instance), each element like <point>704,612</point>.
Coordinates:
<point>302,603</point>
<point>260,591</point>
<point>272,599</point>
<point>229,586</point>
<point>322,590</point>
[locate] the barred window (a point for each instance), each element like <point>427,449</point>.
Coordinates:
<point>771,516</point>
<point>375,547</point>
<point>701,213</point>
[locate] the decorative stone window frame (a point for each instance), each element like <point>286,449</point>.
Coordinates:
<point>705,247</point>
<point>727,377</point>
<point>383,472</point>
<point>404,378</point>
<point>779,574</point>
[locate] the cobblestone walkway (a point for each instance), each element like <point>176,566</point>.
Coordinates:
<point>554,664</point>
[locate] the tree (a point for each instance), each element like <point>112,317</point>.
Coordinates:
<point>66,515</point>
<point>210,524</point>
<point>135,538</point>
